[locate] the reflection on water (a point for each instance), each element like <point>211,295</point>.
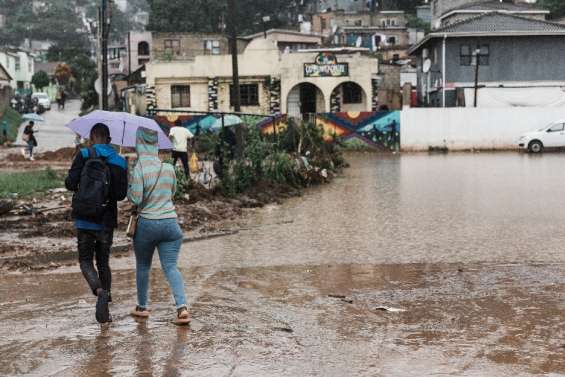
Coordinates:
<point>411,208</point>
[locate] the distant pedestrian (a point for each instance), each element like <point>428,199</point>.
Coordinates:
<point>59,99</point>
<point>5,132</point>
<point>179,137</point>
<point>30,140</point>
<point>152,187</point>
<point>98,178</point>
<point>63,98</point>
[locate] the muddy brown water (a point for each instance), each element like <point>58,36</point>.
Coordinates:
<point>469,246</point>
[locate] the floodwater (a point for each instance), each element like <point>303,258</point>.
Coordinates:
<point>467,247</point>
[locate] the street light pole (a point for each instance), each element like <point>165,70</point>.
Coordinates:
<point>477,54</point>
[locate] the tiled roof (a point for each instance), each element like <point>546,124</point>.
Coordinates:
<point>501,22</point>
<point>495,5</point>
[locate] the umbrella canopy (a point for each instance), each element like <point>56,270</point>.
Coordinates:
<point>33,117</point>
<point>205,124</point>
<point>229,121</point>
<point>123,127</point>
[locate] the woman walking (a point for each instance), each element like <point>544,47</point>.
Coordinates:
<point>30,140</point>
<point>152,187</point>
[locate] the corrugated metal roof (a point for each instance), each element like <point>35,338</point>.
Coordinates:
<point>501,22</point>
<point>496,5</point>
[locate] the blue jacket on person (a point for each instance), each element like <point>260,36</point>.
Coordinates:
<point>118,184</point>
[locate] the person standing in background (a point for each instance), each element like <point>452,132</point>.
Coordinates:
<point>179,137</point>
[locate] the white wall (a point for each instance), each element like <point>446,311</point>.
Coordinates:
<point>470,128</point>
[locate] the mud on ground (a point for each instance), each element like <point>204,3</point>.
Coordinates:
<point>39,233</point>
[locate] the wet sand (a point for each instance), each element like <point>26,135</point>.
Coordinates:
<point>469,246</point>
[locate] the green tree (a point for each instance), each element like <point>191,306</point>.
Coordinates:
<point>40,80</point>
<point>556,7</point>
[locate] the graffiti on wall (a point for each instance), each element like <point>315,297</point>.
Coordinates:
<point>380,130</point>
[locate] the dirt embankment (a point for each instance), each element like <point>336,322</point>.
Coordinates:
<point>39,233</point>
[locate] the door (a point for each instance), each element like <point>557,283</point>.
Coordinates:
<point>555,136</point>
<point>293,103</point>
<point>308,99</point>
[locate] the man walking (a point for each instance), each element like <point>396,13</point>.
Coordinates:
<point>179,137</point>
<point>98,178</point>
<point>4,131</point>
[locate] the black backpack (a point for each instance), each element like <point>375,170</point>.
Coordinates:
<point>92,198</point>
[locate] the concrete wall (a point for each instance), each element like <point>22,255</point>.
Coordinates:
<point>469,128</point>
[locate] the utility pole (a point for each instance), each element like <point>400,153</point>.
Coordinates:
<point>477,55</point>
<point>105,31</point>
<point>373,6</point>
<point>232,29</point>
<point>236,94</point>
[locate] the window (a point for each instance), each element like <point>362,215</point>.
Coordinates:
<point>212,47</point>
<point>358,22</point>
<point>556,128</point>
<point>143,48</point>
<point>352,93</point>
<point>173,45</point>
<point>392,40</point>
<point>18,64</point>
<point>180,96</point>
<point>484,55</point>
<point>465,55</point>
<point>249,94</point>
<point>324,23</point>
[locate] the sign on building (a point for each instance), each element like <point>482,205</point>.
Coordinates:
<point>326,65</point>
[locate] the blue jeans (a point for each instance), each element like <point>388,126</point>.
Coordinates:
<point>166,236</point>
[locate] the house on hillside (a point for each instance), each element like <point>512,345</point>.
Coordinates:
<point>520,62</point>
<point>385,31</point>
<point>5,88</point>
<point>20,66</point>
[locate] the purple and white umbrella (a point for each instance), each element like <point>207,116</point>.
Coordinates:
<point>123,127</point>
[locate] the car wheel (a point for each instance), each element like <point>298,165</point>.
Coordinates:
<point>535,146</point>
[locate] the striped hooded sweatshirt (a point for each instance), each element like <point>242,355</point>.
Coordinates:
<point>143,177</point>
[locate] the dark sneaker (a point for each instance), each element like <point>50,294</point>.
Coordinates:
<point>102,310</point>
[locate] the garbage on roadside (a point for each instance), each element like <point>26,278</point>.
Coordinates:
<point>389,309</point>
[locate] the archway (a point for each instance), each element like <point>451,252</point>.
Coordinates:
<point>348,97</point>
<point>143,48</point>
<point>305,98</point>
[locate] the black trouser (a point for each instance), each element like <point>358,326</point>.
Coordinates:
<point>184,159</point>
<point>97,244</point>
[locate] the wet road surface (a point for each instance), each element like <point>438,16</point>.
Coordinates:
<point>468,246</point>
<point>52,134</point>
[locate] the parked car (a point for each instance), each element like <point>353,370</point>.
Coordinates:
<point>43,100</point>
<point>550,136</point>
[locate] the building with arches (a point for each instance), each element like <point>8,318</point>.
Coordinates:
<point>273,80</point>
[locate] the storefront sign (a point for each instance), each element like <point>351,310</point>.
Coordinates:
<point>326,65</point>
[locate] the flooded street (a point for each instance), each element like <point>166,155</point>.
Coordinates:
<point>413,265</point>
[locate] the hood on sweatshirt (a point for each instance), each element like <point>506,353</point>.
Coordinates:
<point>147,143</point>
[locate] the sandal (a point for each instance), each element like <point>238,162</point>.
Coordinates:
<point>140,312</point>
<point>183,316</point>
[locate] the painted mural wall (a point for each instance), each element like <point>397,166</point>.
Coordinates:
<point>376,130</point>
<point>379,130</point>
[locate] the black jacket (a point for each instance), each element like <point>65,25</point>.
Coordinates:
<point>118,183</point>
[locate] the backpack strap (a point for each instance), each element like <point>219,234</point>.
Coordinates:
<point>92,152</point>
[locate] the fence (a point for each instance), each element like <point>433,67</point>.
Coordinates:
<point>471,128</point>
